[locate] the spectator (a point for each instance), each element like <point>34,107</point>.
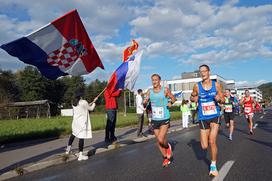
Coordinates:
<point>81,126</point>
<point>149,117</point>
<point>111,109</point>
<point>140,112</point>
<point>185,113</point>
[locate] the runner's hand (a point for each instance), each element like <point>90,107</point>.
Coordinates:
<point>217,98</point>
<point>169,104</point>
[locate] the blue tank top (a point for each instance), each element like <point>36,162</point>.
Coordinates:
<point>207,106</point>
<point>159,105</point>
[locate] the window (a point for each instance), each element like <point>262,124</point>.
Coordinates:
<point>170,87</point>
<point>191,85</point>
<point>185,86</point>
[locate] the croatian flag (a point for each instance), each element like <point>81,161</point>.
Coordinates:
<point>125,76</point>
<point>59,48</point>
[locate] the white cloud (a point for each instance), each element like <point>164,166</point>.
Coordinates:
<point>189,31</point>
<point>226,32</point>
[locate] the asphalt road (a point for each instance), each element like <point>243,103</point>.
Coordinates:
<point>247,157</point>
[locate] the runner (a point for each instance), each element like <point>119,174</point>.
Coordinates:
<point>193,108</point>
<point>229,107</point>
<point>248,103</point>
<point>208,94</point>
<point>158,97</point>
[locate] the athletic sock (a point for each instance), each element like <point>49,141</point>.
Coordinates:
<point>213,163</point>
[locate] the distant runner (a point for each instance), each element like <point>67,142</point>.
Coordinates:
<point>229,115</point>
<point>248,103</point>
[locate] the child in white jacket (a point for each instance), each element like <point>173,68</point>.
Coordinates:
<point>81,126</point>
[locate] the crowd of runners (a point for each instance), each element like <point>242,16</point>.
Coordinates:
<point>207,101</point>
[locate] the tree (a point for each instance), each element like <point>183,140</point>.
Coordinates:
<point>32,84</point>
<point>9,90</point>
<point>93,89</point>
<point>267,91</point>
<point>71,84</point>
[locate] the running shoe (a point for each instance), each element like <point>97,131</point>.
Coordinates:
<point>230,137</point>
<point>169,152</point>
<point>213,171</point>
<point>165,162</point>
<point>251,132</point>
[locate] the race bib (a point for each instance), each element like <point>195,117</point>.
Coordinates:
<point>228,108</point>
<point>157,112</point>
<point>247,109</point>
<point>208,108</point>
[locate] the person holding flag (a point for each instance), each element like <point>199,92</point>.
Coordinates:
<point>124,77</point>
<point>111,109</point>
<point>81,126</point>
<point>158,96</point>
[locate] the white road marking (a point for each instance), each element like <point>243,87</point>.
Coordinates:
<point>255,126</point>
<point>223,171</point>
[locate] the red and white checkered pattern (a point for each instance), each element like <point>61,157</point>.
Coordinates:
<point>63,57</point>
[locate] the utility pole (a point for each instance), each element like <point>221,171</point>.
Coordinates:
<point>125,107</point>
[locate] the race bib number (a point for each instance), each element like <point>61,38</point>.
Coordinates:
<point>228,108</point>
<point>247,109</point>
<point>208,108</point>
<point>157,112</point>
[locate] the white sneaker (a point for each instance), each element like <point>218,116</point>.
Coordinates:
<point>230,137</point>
<point>82,157</point>
<point>68,150</point>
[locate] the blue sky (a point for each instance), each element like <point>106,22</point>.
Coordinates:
<point>233,37</point>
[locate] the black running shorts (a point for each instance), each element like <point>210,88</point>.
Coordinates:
<point>158,124</point>
<point>205,124</point>
<point>228,117</point>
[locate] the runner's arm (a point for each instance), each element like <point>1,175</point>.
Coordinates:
<point>146,100</point>
<point>241,102</point>
<point>171,96</point>
<point>194,95</point>
<point>219,96</point>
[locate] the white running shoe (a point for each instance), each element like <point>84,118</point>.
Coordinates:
<point>82,157</point>
<point>230,137</point>
<point>68,150</point>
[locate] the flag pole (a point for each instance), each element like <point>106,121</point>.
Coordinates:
<point>99,94</point>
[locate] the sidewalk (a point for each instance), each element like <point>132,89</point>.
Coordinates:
<point>29,156</point>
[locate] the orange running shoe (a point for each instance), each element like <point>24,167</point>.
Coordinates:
<point>165,162</point>
<point>169,152</point>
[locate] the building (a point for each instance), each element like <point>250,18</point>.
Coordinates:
<point>255,93</point>
<point>187,81</point>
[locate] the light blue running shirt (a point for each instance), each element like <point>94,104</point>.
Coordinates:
<point>159,105</point>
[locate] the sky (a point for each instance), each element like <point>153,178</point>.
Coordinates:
<point>233,37</point>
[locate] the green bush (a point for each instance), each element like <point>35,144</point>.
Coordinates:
<point>174,109</point>
<point>29,129</point>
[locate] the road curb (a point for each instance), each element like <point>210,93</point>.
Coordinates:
<point>63,158</point>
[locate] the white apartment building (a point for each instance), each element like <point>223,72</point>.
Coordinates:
<point>255,93</point>
<point>187,81</point>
